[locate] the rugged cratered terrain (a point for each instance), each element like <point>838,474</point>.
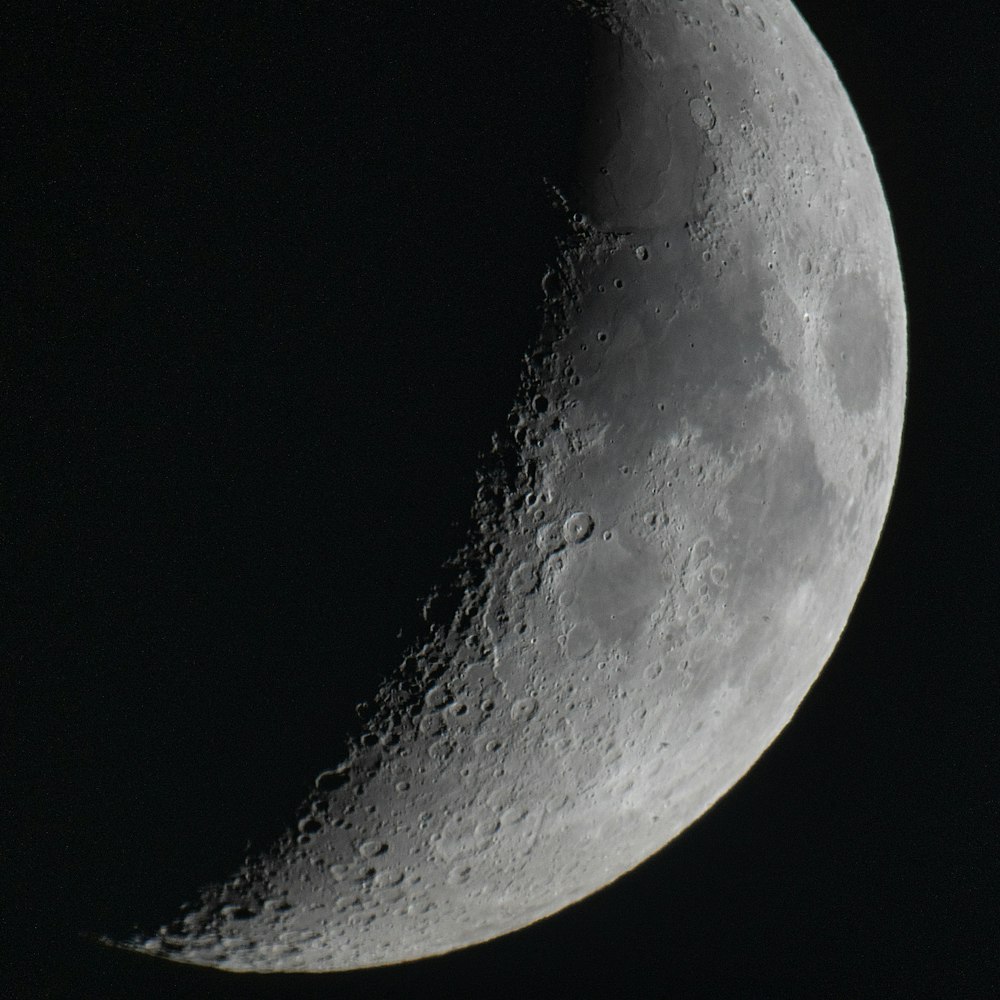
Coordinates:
<point>671,535</point>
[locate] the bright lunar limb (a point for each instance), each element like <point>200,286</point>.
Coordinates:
<point>672,539</point>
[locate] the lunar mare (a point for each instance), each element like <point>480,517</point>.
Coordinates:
<point>668,540</point>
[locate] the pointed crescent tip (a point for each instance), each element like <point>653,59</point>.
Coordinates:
<point>135,943</point>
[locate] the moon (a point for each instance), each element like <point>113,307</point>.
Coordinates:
<point>666,541</point>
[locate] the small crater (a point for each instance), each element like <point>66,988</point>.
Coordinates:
<point>696,626</point>
<point>580,641</point>
<point>524,580</point>
<point>437,697</point>
<point>460,874</point>
<point>701,114</point>
<point>523,710</point>
<point>578,527</point>
<point>388,878</point>
<point>329,781</point>
<point>432,725</point>
<point>487,828</point>
<point>514,815</point>
<point>700,550</point>
<point>549,538</point>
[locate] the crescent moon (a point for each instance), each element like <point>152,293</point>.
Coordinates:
<point>670,540</point>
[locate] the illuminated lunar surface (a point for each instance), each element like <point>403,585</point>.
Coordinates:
<point>670,541</point>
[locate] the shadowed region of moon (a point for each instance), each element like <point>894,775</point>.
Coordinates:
<point>667,540</point>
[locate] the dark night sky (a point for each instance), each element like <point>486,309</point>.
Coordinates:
<point>273,276</point>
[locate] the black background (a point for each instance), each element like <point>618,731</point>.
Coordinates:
<point>272,277</point>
